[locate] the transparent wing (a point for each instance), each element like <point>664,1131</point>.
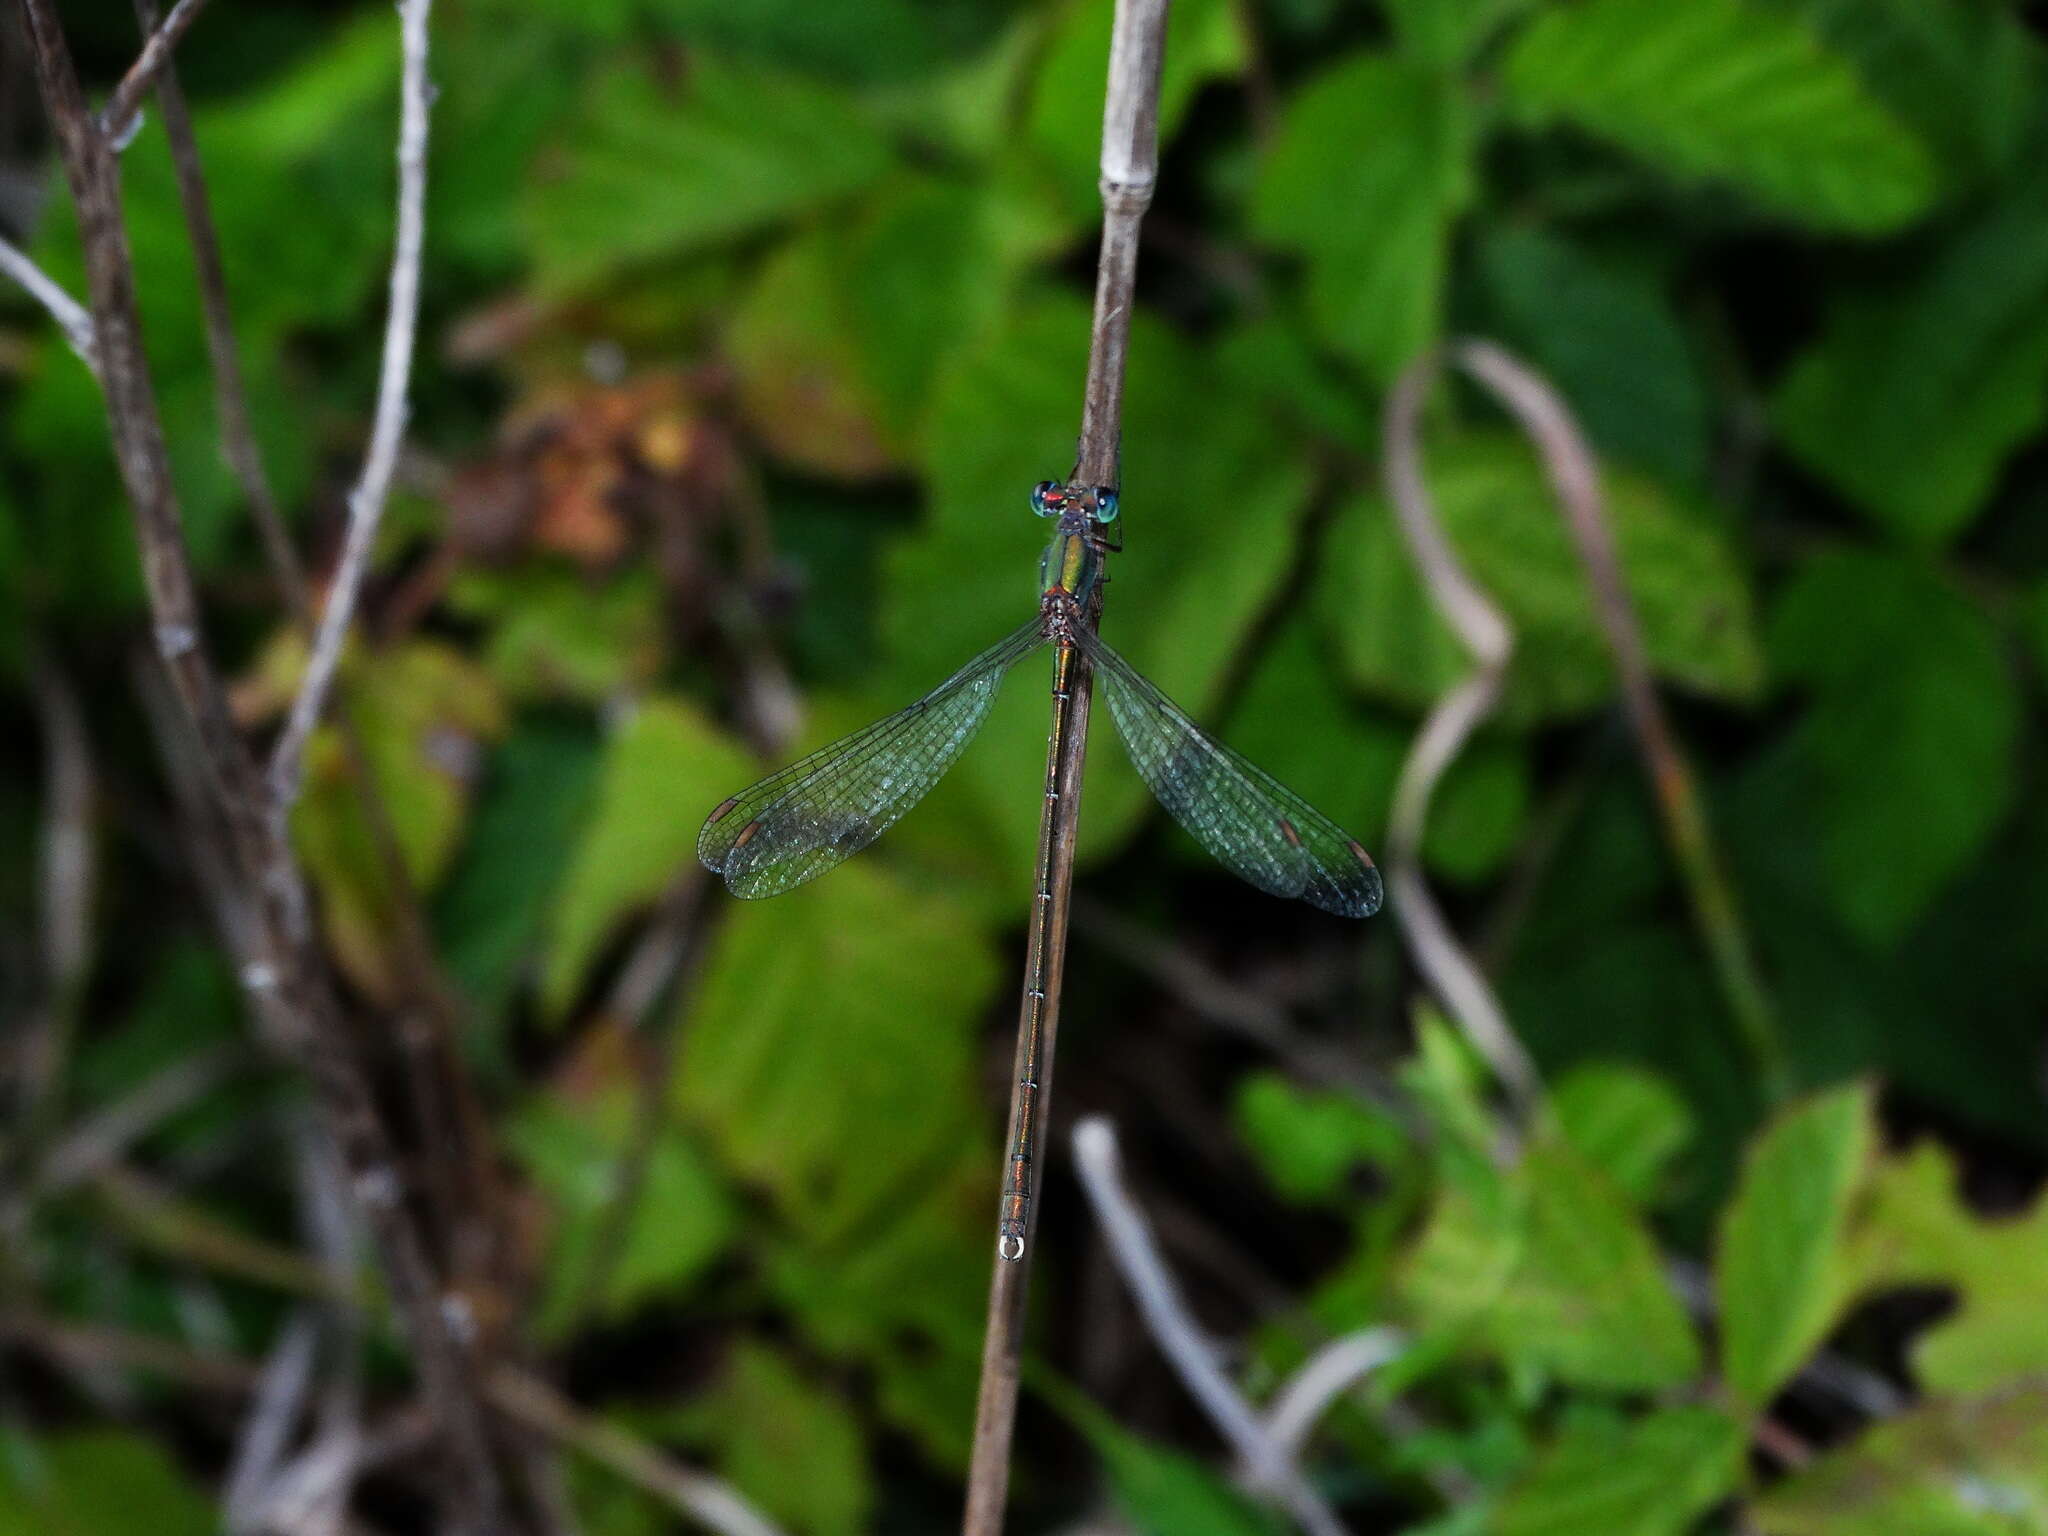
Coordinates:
<point>796,824</point>
<point>1244,816</point>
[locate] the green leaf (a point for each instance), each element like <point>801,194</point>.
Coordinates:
<point>1611,345</point>
<point>1160,1491</point>
<point>490,912</point>
<point>1625,1121</point>
<point>1916,1229</point>
<point>1723,90</point>
<point>1910,733</point>
<point>1558,1275</point>
<point>832,1052</point>
<point>662,775</point>
<point>1781,1269</point>
<point>1690,595</point>
<point>1368,169</point>
<point>1654,1477</point>
<point>1311,1143</point>
<point>1966,76</point>
<point>1951,1467</point>
<point>905,1297</point>
<point>555,633</point>
<point>651,174</point>
<point>789,1444</point>
<point>683,1216</point>
<point>1446,33</point>
<point>99,1483</point>
<point>802,384</point>
<point>1918,392</point>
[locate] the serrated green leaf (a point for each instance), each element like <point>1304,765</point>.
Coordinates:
<point>831,1052</point>
<point>1724,90</point>
<point>1690,595</point>
<point>662,775</point>
<point>1917,393</point>
<point>1951,1467</point>
<point>99,1483</point>
<point>1625,1121</point>
<point>1369,167</point>
<point>650,174</point>
<point>1557,1275</point>
<point>1654,1477</point>
<point>683,1216</point>
<point>1910,732</point>
<point>1916,1229</point>
<point>1966,76</point>
<point>1781,1268</point>
<point>1610,343</point>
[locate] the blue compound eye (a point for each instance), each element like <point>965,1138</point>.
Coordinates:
<point>1045,498</point>
<point>1105,504</point>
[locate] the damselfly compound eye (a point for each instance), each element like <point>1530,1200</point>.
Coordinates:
<point>1046,498</point>
<point>1105,504</point>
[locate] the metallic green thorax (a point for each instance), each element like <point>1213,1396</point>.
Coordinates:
<point>1071,565</point>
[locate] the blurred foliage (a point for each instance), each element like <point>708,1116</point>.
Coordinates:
<point>747,329</point>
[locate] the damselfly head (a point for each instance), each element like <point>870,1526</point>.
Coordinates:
<point>1048,498</point>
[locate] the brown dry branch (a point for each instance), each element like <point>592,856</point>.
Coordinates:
<point>1130,165</point>
<point>281,969</point>
<point>1485,632</point>
<point>1574,478</point>
<point>118,120</point>
<point>445,1108</point>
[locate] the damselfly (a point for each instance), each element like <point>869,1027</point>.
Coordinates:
<point>796,824</point>
<point>813,815</point>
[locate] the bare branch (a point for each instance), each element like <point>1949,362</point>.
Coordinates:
<point>1328,1373</point>
<point>1575,478</point>
<point>1180,1338</point>
<point>373,489</point>
<point>118,120</point>
<point>230,395</point>
<point>1130,157</point>
<point>1457,981</point>
<point>69,314</point>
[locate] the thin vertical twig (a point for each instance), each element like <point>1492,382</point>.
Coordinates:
<point>283,975</point>
<point>1575,479</point>
<point>1129,166</point>
<point>366,503</point>
<point>1180,1339</point>
<point>230,394</point>
<point>1485,633</point>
